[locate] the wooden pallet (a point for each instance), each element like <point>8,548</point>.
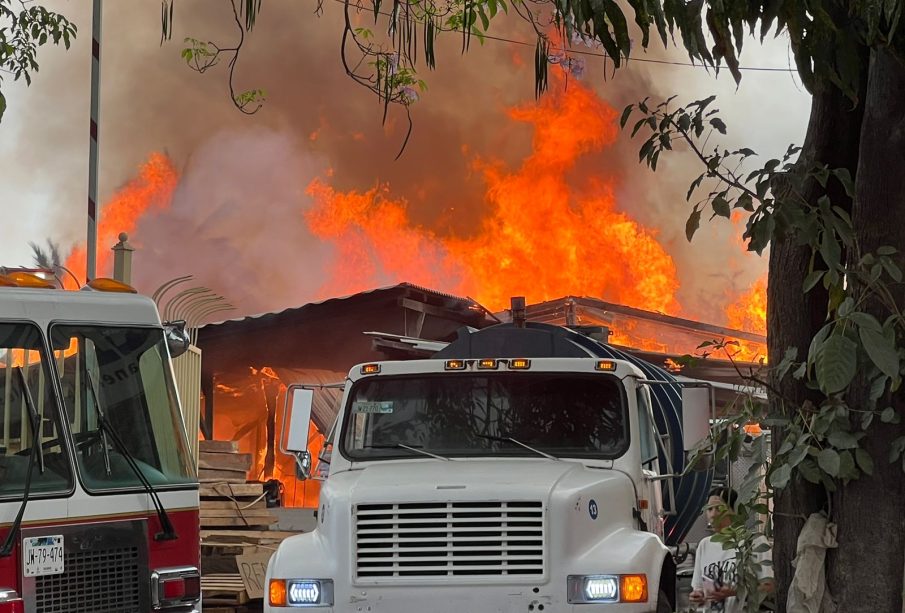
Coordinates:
<point>223,589</point>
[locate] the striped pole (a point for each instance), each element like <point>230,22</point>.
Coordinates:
<point>91,247</point>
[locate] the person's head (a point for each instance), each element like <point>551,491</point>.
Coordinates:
<point>720,506</point>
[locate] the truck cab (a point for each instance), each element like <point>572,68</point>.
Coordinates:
<point>98,492</point>
<point>481,481</point>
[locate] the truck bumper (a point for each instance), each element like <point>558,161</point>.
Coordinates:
<point>460,599</point>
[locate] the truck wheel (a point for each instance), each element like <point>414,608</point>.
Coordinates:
<point>663,605</point>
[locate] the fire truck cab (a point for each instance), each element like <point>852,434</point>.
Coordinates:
<point>516,471</point>
<point>98,493</point>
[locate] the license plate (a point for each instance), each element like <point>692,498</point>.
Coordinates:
<point>42,555</point>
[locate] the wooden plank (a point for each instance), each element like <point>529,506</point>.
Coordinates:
<point>233,490</point>
<point>218,446</point>
<point>246,534</point>
<point>233,504</point>
<point>224,461</point>
<point>207,475</point>
<point>238,521</point>
<point>247,513</point>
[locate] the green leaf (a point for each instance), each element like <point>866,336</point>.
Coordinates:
<point>835,363</point>
<point>886,250</point>
<point>2,105</point>
<point>840,439</point>
<point>829,462</point>
<point>779,478</point>
<point>866,320</point>
<point>896,448</point>
<point>799,453</point>
<point>718,123</point>
<point>693,223</point>
<point>888,415</point>
<point>865,462</point>
<point>625,115</point>
<point>812,279</point>
<point>881,350</point>
<point>808,470</point>
<point>721,207</point>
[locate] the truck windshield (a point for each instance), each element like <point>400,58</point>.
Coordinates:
<point>23,359</point>
<point>123,373</point>
<point>563,414</point>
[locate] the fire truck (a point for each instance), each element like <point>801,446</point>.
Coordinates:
<point>524,467</point>
<point>98,493</point>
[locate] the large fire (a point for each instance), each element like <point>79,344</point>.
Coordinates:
<point>152,189</point>
<point>546,233</point>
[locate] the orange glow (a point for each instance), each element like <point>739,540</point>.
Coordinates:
<point>749,311</point>
<point>277,592</point>
<point>546,229</point>
<point>152,188</point>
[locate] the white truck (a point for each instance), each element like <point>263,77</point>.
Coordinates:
<point>516,471</point>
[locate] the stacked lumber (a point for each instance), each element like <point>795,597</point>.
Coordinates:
<point>235,521</point>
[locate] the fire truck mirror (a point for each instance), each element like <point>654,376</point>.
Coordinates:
<point>177,336</point>
<point>696,414</point>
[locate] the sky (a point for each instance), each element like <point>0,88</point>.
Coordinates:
<point>234,219</point>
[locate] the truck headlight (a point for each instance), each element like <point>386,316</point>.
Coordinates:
<point>301,592</point>
<point>587,589</point>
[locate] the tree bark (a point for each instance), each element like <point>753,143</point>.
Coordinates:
<point>869,511</point>
<point>793,318</point>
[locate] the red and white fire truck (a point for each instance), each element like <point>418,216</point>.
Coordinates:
<point>98,494</point>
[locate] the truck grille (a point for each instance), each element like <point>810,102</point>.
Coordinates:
<point>437,539</point>
<point>103,581</point>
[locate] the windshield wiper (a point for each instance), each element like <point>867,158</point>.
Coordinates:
<point>509,439</point>
<point>168,533</point>
<point>36,452</point>
<point>401,446</point>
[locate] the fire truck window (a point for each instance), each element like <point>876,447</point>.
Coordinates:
<point>565,415</point>
<point>22,358</point>
<point>122,373</point>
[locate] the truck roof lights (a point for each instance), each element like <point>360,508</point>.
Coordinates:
<point>605,365</point>
<point>488,364</point>
<point>455,365</point>
<point>519,364</point>
<point>370,369</point>
<point>24,279</point>
<point>103,284</point>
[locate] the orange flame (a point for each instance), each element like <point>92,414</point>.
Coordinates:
<point>546,232</point>
<point>749,311</point>
<point>152,188</point>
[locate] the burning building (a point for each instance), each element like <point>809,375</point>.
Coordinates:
<point>248,362</point>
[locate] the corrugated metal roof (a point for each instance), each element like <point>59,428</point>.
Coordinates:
<point>341,298</point>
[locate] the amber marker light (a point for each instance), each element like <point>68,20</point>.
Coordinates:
<point>277,592</point>
<point>633,588</point>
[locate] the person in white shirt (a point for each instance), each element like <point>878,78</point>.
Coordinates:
<point>714,580</point>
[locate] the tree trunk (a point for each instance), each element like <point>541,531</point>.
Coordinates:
<point>870,560</point>
<point>793,318</point>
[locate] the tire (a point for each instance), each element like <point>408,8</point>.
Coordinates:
<point>663,605</point>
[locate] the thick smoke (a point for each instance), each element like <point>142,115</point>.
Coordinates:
<point>235,222</point>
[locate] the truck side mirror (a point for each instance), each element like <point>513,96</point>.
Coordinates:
<point>177,336</point>
<point>299,402</point>
<point>696,414</point>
